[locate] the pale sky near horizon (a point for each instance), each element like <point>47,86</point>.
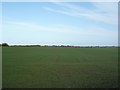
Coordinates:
<point>60,23</point>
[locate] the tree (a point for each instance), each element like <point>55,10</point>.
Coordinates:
<point>5,44</point>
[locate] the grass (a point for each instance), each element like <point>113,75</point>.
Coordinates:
<point>0,67</point>
<point>59,67</point>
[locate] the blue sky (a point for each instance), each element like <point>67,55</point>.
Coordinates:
<point>60,23</point>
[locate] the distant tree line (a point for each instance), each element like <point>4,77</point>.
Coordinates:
<point>5,44</point>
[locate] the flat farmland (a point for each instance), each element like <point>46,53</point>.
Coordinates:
<point>59,67</point>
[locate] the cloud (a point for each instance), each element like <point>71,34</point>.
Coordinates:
<point>109,10</point>
<point>93,30</point>
<point>102,12</point>
<point>40,27</point>
<point>100,0</point>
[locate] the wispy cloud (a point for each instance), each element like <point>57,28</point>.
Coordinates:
<point>93,30</point>
<point>40,27</point>
<point>102,12</point>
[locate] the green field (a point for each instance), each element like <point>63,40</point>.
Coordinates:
<point>59,67</point>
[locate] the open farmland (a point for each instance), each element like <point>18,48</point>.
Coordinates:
<point>59,67</point>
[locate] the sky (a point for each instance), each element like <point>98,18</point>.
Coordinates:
<point>60,23</point>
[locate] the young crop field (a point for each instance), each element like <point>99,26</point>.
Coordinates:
<point>59,67</point>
